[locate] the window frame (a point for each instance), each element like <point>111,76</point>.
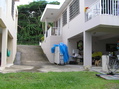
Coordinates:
<point>64,17</point>
<point>12,8</point>
<point>74,9</point>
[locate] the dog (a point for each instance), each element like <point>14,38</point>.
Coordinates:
<point>97,62</point>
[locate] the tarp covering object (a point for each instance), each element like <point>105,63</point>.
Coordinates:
<point>63,50</point>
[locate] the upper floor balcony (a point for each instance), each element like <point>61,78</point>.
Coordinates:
<point>102,7</point>
<point>53,31</point>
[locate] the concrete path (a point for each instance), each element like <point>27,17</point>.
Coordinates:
<point>48,68</point>
<point>43,68</point>
<point>34,60</point>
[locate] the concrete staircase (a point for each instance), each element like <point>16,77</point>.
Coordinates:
<point>32,59</point>
<point>31,55</point>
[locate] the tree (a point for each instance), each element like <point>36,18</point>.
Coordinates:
<point>29,25</point>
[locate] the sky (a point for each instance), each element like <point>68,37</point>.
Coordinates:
<point>22,2</point>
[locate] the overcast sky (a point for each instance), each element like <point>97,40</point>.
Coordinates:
<point>22,2</point>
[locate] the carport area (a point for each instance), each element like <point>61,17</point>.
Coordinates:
<point>99,39</point>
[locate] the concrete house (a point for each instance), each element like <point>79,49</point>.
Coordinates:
<point>95,23</point>
<point>8,32</point>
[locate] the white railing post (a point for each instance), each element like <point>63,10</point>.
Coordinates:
<point>58,31</point>
<point>45,36</point>
<point>114,7</point>
<point>50,31</point>
<point>105,7</point>
<point>100,7</point>
<point>110,7</point>
<point>118,8</point>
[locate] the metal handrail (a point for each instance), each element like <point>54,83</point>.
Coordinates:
<point>107,7</point>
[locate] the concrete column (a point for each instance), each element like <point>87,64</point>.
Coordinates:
<point>10,47</point>
<point>4,47</point>
<point>14,46</point>
<point>46,24</point>
<point>46,34</point>
<point>87,49</point>
<point>105,61</point>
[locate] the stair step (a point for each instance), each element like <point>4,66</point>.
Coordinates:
<point>31,55</point>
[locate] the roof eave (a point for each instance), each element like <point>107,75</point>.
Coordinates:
<point>49,7</point>
<point>58,8</point>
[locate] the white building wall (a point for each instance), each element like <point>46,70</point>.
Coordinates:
<point>10,24</point>
<point>7,17</point>
<point>3,5</point>
<point>79,25</point>
<point>48,44</point>
<point>88,3</point>
<point>107,20</point>
<point>72,44</point>
<point>74,26</point>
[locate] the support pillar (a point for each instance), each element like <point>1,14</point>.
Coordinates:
<point>4,47</point>
<point>87,50</point>
<point>10,47</point>
<point>46,24</point>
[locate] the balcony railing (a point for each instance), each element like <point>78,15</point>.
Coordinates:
<point>53,31</point>
<point>108,7</point>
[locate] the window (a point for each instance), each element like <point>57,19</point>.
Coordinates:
<point>12,11</point>
<point>74,8</point>
<point>64,17</point>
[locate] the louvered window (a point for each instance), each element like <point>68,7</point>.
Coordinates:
<point>74,8</point>
<point>12,11</point>
<point>64,18</point>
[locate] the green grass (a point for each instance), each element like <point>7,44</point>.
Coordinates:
<point>52,80</point>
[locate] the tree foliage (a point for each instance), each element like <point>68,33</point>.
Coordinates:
<point>30,29</point>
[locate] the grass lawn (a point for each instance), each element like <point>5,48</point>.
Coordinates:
<point>52,80</point>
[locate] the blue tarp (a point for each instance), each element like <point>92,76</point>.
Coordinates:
<point>63,50</point>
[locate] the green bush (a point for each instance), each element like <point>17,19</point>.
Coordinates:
<point>42,38</point>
